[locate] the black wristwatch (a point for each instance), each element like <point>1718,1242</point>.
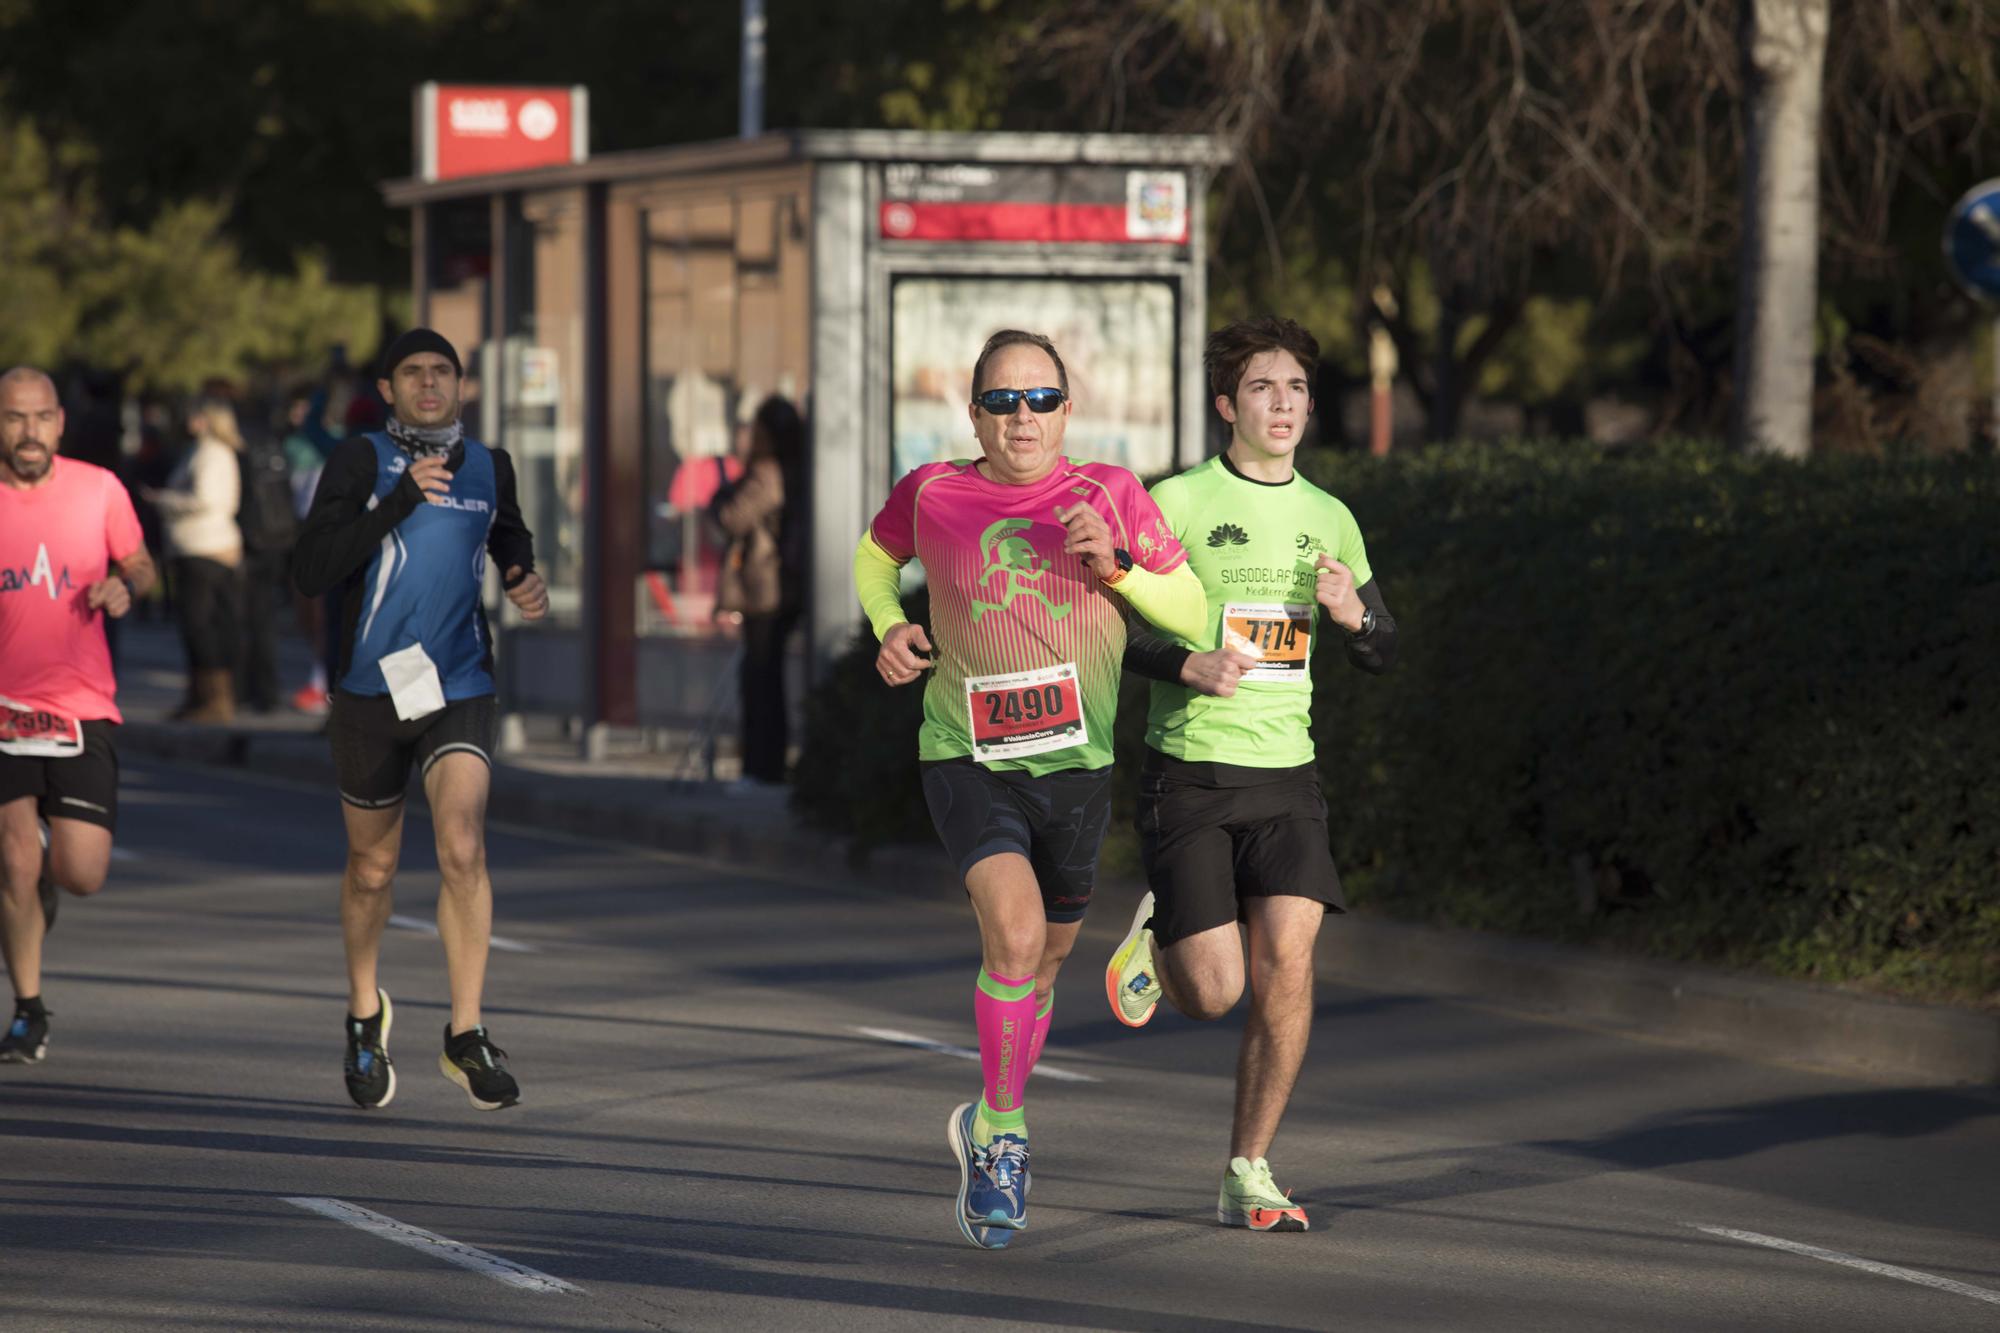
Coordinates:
<point>1367,625</point>
<point>1124,559</point>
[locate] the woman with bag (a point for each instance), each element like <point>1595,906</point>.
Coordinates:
<point>762,580</point>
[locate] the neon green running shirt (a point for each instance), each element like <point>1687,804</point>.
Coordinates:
<point>1255,546</point>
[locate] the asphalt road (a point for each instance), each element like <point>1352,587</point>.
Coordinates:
<point>715,1132</point>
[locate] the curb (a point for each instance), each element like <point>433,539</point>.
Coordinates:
<point>1751,1017</point>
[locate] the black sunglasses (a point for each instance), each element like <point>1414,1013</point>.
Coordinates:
<point>1002,402</point>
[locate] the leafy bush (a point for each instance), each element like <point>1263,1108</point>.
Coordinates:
<point>1675,701</point>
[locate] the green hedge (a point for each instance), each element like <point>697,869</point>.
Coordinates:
<point>1674,701</point>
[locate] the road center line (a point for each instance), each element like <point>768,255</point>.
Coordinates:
<point>1851,1261</point>
<point>438,1247</point>
<point>422,927</point>
<point>963,1053</point>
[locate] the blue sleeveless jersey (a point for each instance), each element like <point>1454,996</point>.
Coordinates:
<point>423,583</point>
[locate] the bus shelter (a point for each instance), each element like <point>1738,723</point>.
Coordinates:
<point>624,316</point>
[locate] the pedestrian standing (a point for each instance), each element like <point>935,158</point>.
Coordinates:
<point>763,580</point>
<point>206,548</point>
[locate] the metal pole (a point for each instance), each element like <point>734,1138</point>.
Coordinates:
<point>751,122</point>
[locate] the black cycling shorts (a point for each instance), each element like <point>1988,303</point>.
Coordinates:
<point>1212,835</point>
<point>1056,820</point>
<point>83,787</point>
<point>373,749</point>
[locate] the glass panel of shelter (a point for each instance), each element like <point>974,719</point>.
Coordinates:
<point>542,385</point>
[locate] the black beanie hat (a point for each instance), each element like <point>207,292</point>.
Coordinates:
<point>414,341</point>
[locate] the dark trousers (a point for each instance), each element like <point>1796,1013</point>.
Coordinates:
<point>263,584</point>
<point>761,690</point>
<point>207,593</point>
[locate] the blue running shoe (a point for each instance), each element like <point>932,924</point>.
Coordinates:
<point>992,1182</point>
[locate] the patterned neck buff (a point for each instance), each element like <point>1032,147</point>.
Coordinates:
<point>426,441</point>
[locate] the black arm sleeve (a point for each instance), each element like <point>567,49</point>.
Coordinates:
<point>341,532</point>
<point>509,543</point>
<point>1375,651</point>
<point>1148,654</point>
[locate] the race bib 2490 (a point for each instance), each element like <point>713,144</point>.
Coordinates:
<point>1025,712</point>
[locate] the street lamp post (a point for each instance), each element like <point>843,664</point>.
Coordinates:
<point>750,123</point>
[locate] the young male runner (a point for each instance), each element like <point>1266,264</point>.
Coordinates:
<point>1232,823</point>
<point>402,524</point>
<point>70,555</point>
<point>1024,550</point>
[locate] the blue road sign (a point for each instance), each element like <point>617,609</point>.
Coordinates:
<point>1972,241</point>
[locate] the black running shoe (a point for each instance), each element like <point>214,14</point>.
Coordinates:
<point>27,1039</point>
<point>472,1061</point>
<point>371,1074</point>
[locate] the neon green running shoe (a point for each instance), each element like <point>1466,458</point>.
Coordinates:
<point>1250,1198</point>
<point>1130,981</point>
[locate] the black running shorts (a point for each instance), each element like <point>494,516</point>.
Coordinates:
<point>1212,835</point>
<point>1056,820</point>
<point>83,787</point>
<point>373,749</point>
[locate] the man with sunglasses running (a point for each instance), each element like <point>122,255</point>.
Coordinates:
<point>1232,823</point>
<point>71,556</point>
<point>1032,561</point>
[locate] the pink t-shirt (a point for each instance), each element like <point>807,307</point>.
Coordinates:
<point>1005,599</point>
<point>56,540</point>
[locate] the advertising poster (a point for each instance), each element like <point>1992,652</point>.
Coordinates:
<point>1116,339</point>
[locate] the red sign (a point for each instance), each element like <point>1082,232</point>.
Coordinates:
<point>464,130</point>
<point>978,202</point>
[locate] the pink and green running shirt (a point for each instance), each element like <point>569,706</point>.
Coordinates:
<point>1007,602</point>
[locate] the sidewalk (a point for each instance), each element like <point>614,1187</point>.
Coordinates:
<point>649,797</point>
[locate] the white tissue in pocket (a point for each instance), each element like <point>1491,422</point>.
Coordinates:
<point>413,682</point>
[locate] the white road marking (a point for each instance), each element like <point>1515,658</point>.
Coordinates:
<point>964,1053</point>
<point>438,1247</point>
<point>422,927</point>
<point>1850,1261</point>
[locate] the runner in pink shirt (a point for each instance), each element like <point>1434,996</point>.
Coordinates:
<point>70,554</point>
<point>1033,562</point>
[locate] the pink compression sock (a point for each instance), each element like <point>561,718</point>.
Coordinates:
<point>1043,1017</point>
<point>1005,1010</point>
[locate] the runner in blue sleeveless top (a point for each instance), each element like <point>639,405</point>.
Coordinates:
<point>402,525</point>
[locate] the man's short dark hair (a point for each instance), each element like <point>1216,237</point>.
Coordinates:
<point>1009,338</point>
<point>1232,347</point>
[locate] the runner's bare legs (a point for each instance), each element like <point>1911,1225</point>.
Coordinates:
<point>79,858</point>
<point>1281,932</point>
<point>374,842</point>
<point>457,787</point>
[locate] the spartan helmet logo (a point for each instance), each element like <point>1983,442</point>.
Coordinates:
<point>1012,558</point>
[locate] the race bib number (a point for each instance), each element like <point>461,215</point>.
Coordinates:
<point>1028,712</point>
<point>36,733</point>
<point>1277,634</point>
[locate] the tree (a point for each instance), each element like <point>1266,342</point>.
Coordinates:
<point>1784,60</point>
<point>1493,151</point>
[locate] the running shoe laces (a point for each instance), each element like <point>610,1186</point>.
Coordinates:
<point>1004,1160</point>
<point>1258,1186</point>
